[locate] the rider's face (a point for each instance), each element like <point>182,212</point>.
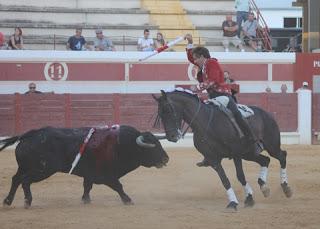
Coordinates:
<point>198,60</point>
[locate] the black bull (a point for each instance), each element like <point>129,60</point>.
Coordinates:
<point>109,155</point>
<point>216,138</point>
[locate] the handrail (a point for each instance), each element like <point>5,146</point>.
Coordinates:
<point>264,32</point>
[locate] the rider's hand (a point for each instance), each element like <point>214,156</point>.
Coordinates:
<point>188,37</point>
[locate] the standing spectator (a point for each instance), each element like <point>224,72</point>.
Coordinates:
<point>159,41</point>
<point>284,88</point>
<point>16,40</point>
<point>230,29</point>
<point>242,8</point>
<point>3,44</point>
<point>32,89</point>
<point>102,43</point>
<point>145,43</point>
<point>250,31</point>
<point>233,85</point>
<point>77,41</point>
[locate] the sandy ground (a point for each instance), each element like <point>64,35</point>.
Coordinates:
<point>180,195</point>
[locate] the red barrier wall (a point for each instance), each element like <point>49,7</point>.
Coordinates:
<point>20,113</point>
<point>315,117</point>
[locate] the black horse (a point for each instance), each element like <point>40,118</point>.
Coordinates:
<point>215,137</point>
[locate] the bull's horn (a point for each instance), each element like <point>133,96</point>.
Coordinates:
<point>140,142</point>
<point>160,136</point>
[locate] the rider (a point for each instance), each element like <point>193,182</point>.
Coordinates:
<point>211,78</point>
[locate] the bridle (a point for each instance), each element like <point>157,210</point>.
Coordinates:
<point>180,127</point>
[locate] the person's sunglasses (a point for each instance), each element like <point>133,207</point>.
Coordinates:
<point>32,87</point>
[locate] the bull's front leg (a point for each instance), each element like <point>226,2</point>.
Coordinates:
<point>117,186</point>
<point>87,186</point>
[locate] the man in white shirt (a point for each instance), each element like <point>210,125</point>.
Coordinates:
<point>145,43</point>
<point>242,8</point>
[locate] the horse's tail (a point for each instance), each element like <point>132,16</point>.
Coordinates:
<point>8,142</point>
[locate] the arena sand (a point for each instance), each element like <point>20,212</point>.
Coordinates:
<point>180,195</point>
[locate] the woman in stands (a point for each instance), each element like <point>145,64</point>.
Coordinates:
<point>16,40</point>
<point>159,41</point>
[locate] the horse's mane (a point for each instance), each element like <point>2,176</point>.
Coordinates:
<point>184,92</point>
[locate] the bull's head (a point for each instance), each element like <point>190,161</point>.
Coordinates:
<point>152,152</point>
<point>170,117</point>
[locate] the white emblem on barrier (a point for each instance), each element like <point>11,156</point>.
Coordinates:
<point>56,71</point>
<point>192,72</point>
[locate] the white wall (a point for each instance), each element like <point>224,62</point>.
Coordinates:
<point>274,18</point>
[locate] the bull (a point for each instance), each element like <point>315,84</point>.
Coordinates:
<point>110,154</point>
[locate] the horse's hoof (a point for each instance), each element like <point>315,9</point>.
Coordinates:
<point>265,190</point>
<point>6,202</point>
<point>27,204</point>
<point>286,189</point>
<point>128,202</point>
<point>232,207</point>
<point>249,202</point>
<point>86,200</point>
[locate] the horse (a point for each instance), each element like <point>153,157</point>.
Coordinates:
<point>216,138</point>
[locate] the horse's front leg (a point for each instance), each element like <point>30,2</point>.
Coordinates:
<point>233,202</point>
<point>249,202</point>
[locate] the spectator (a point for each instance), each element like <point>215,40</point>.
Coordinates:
<point>32,89</point>
<point>250,31</point>
<point>233,85</point>
<point>101,43</point>
<point>305,85</point>
<point>284,88</point>
<point>268,89</point>
<point>145,43</point>
<point>77,41</point>
<point>159,41</point>
<point>3,44</point>
<point>230,29</point>
<point>16,40</point>
<point>242,8</point>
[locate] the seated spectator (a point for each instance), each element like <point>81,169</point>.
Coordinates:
<point>159,41</point>
<point>145,43</point>
<point>16,40</point>
<point>250,31</point>
<point>3,44</point>
<point>32,89</point>
<point>102,43</point>
<point>230,30</point>
<point>77,42</point>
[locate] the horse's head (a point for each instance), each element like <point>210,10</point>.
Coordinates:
<point>171,117</point>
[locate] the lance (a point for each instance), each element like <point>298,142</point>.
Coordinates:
<point>161,49</point>
<point>81,151</point>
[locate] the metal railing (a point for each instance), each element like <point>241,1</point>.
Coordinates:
<point>263,31</point>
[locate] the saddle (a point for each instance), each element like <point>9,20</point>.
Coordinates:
<point>219,101</point>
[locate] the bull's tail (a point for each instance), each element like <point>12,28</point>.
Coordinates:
<point>8,142</point>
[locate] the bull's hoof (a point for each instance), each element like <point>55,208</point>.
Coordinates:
<point>6,202</point>
<point>232,207</point>
<point>265,190</point>
<point>27,203</point>
<point>286,189</point>
<point>249,201</point>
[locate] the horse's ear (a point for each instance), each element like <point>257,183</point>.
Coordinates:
<point>163,94</point>
<point>155,98</point>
